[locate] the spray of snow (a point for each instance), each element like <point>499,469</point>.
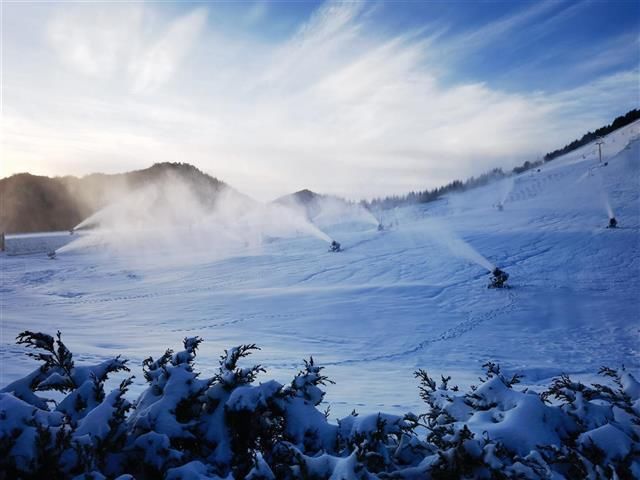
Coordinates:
<point>603,193</point>
<point>604,196</point>
<point>328,211</point>
<point>506,187</point>
<point>444,236</point>
<point>169,217</point>
<point>595,174</point>
<point>273,220</point>
<point>369,216</point>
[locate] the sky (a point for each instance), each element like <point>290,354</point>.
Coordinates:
<point>359,99</point>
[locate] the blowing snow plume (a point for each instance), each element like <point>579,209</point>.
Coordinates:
<point>506,186</point>
<point>327,210</point>
<point>158,216</point>
<point>270,220</point>
<point>175,219</point>
<point>458,247</point>
<point>334,211</point>
<point>442,235</point>
<point>604,196</point>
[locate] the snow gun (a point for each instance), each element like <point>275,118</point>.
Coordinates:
<point>498,279</point>
<point>380,227</point>
<point>51,254</point>
<point>334,246</point>
<point>613,223</point>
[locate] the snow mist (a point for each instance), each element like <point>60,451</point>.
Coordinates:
<point>327,211</point>
<point>506,188</point>
<point>171,218</point>
<point>442,235</point>
<point>605,196</point>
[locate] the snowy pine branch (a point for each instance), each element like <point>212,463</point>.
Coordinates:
<point>183,426</point>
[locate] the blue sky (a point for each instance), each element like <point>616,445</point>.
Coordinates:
<point>518,45</point>
<point>356,98</point>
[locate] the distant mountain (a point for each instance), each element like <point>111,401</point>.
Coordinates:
<point>320,207</point>
<point>31,203</point>
<point>301,197</point>
<point>305,200</point>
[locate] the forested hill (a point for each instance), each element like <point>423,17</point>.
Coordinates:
<point>621,121</point>
<point>32,203</point>
<point>497,173</point>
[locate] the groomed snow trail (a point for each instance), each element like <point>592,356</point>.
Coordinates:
<point>392,302</point>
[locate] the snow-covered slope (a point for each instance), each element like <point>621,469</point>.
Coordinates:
<point>392,302</point>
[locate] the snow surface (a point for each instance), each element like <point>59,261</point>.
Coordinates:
<point>393,301</point>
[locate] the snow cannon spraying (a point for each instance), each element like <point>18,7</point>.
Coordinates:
<point>334,246</point>
<point>380,227</point>
<point>498,279</point>
<point>613,223</point>
<point>51,254</point>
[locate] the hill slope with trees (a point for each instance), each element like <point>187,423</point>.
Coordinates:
<point>32,203</point>
<point>426,196</point>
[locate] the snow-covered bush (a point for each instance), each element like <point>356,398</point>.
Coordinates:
<point>83,432</point>
<point>227,426</point>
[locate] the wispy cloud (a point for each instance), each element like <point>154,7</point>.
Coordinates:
<point>566,13</point>
<point>93,41</point>
<point>497,30</point>
<point>336,107</point>
<point>611,53</point>
<point>125,42</point>
<point>155,63</point>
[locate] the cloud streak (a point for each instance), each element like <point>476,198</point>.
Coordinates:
<point>107,42</point>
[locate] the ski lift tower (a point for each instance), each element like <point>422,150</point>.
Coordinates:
<point>600,142</point>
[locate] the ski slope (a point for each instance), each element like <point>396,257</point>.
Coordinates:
<point>391,302</point>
